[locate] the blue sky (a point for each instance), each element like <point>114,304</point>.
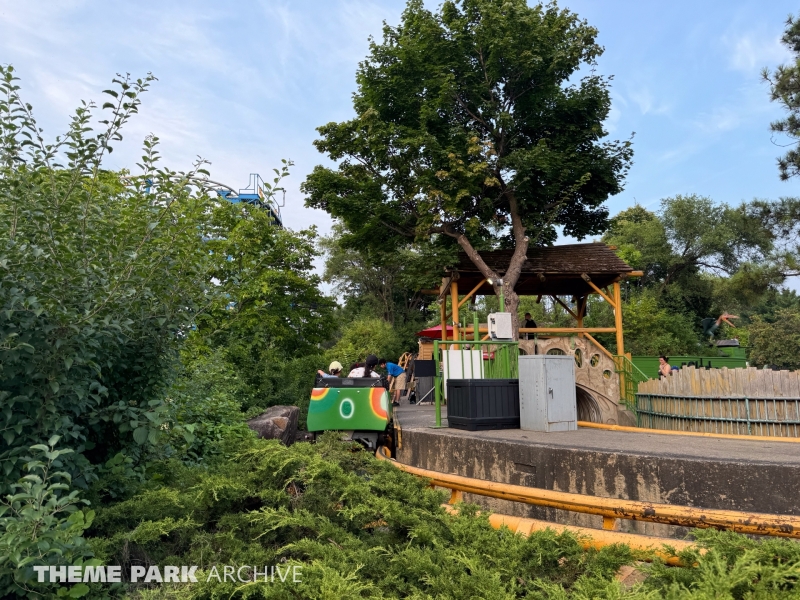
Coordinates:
<point>244,83</point>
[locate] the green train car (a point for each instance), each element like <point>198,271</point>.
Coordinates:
<point>358,407</point>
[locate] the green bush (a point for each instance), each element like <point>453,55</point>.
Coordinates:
<point>359,527</point>
<point>365,336</point>
<point>776,344</point>
<point>99,277</point>
<point>41,523</point>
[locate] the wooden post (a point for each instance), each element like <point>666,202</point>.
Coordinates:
<point>620,342</point>
<point>618,319</point>
<point>454,303</point>
<point>581,310</point>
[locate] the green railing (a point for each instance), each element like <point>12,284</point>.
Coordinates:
<point>498,360</point>
<point>630,378</point>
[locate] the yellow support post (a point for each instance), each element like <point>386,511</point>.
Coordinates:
<point>618,319</point>
<point>620,341</point>
<point>443,315</point>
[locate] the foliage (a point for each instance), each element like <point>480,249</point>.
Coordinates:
<point>699,259</point>
<point>651,330</point>
<point>785,89</point>
<point>689,235</point>
<point>472,124</point>
<point>776,344</point>
<point>99,278</point>
<point>268,292</point>
<point>369,282</point>
<point>258,343</point>
<point>782,218</point>
<point>359,528</point>
<point>365,336</point>
<point>41,523</point>
<point>729,565</point>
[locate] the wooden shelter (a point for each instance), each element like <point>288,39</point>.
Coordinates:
<point>573,270</point>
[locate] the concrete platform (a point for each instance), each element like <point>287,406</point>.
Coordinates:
<point>691,471</point>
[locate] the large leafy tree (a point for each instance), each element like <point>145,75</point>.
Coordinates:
<point>481,123</point>
<point>268,317</point>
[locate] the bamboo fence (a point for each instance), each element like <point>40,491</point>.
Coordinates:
<point>738,401</point>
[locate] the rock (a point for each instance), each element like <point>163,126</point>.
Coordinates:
<point>277,423</point>
<point>629,576</point>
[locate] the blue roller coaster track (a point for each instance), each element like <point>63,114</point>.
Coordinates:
<point>256,194</point>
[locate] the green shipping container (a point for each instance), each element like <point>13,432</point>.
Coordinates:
<point>649,364</point>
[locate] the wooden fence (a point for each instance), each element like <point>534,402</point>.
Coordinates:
<point>740,401</point>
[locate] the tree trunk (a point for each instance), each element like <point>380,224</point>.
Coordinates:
<point>514,269</point>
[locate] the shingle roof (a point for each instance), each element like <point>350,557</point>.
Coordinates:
<point>549,270</point>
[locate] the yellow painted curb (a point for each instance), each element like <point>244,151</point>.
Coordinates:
<point>727,436</point>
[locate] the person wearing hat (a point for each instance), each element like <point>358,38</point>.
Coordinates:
<point>335,369</point>
<point>368,369</point>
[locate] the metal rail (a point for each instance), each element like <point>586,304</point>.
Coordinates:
<point>591,538</point>
<point>614,508</point>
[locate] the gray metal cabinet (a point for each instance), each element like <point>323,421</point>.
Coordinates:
<point>547,393</point>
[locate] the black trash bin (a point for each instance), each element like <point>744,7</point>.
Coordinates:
<point>478,404</point>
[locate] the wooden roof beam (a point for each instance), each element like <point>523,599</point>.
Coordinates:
<point>588,280</point>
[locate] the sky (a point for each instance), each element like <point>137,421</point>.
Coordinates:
<point>244,83</point>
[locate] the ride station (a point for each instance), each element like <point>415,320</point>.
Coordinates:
<point>555,430</point>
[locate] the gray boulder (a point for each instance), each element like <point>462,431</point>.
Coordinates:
<point>277,423</point>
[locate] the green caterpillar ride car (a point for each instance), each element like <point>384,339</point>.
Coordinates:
<point>356,406</point>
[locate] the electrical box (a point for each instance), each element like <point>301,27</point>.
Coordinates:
<point>500,326</point>
<point>547,393</point>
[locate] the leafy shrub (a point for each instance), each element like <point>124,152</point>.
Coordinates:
<point>99,277</point>
<point>359,528</point>
<point>40,523</point>
<point>362,337</point>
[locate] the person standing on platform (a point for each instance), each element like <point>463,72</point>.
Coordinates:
<point>397,378</point>
<point>529,323</point>
<point>663,367</point>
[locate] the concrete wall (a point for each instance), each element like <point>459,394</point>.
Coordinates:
<point>711,483</point>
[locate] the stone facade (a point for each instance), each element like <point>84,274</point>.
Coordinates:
<point>596,379</point>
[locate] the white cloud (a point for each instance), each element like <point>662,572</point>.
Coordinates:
<point>647,102</point>
<point>753,50</point>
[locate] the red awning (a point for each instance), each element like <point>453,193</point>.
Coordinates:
<point>436,332</point>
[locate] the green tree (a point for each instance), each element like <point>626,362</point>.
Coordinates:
<point>363,337</point>
<point>688,235</point>
<point>701,257</point>
<point>267,293</point>
<point>776,344</point>
<point>372,282</point>
<point>268,319</point>
<point>474,125</point>
<point>784,85</point>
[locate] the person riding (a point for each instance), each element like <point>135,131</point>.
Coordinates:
<point>397,377</point>
<point>368,369</point>
<point>335,370</point>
